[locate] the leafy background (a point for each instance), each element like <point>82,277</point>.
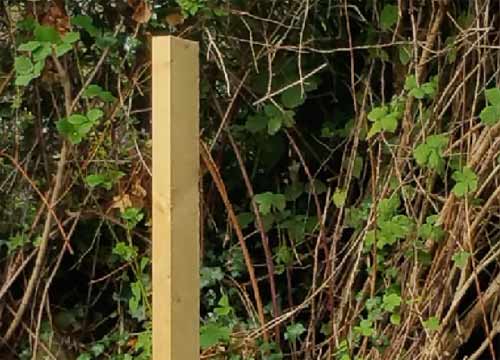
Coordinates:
<point>350,183</point>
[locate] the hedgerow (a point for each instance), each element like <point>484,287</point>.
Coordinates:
<point>349,185</point>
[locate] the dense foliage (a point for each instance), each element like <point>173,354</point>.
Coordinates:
<point>350,186</point>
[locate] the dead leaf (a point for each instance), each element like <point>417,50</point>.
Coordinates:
<point>175,18</point>
<point>56,17</point>
<point>121,202</point>
<point>142,12</point>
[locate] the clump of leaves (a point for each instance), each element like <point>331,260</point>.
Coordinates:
<point>385,117</point>
<point>430,153</point>
<point>423,91</point>
<point>77,126</point>
<point>465,182</point>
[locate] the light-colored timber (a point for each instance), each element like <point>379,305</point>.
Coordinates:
<point>175,199</point>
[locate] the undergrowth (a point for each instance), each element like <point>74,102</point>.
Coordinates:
<point>350,178</point>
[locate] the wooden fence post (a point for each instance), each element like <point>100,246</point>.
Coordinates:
<point>175,199</point>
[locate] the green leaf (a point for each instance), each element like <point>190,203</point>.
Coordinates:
<point>29,46</point>
<point>395,319</point>
<point>405,53</point>
<point>77,119</point>
<point>388,17</point>
<point>212,334</point>
<point>377,113</point>
<point>432,323</point>
<point>71,37</point>
<point>417,92</point>
<point>466,182</point>
<point>389,122</point>
<point>292,98</point>
<point>365,328</point>
<point>86,23</point>
<point>256,123</point>
<point>268,201</point>
<point>40,54</point>
<point>47,34</point>
<point>95,180</point>
<point>294,331</point>
<point>375,129</point>
<point>23,80</point>
<point>460,258</point>
<point>493,96</point>
<point>274,125</point>
<point>391,302</point>
<point>339,197</point>
<point>84,356</point>
<point>125,251</point>
<point>62,49</point>
<point>224,308</point>
<point>411,83</point>
<point>94,115</point>
<point>106,41</point>
<point>69,130</point>
<point>490,115</point>
<point>245,219</point>
<point>23,65</point>
<point>430,153</point>
<point>209,276</point>
<point>92,91</point>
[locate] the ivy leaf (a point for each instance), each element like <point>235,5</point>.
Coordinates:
<point>388,17</point>
<point>460,258</point>
<point>432,323</point>
<point>466,182</point>
<point>294,331</point>
<point>47,34</point>
<point>209,276</point>
<point>212,334</point>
